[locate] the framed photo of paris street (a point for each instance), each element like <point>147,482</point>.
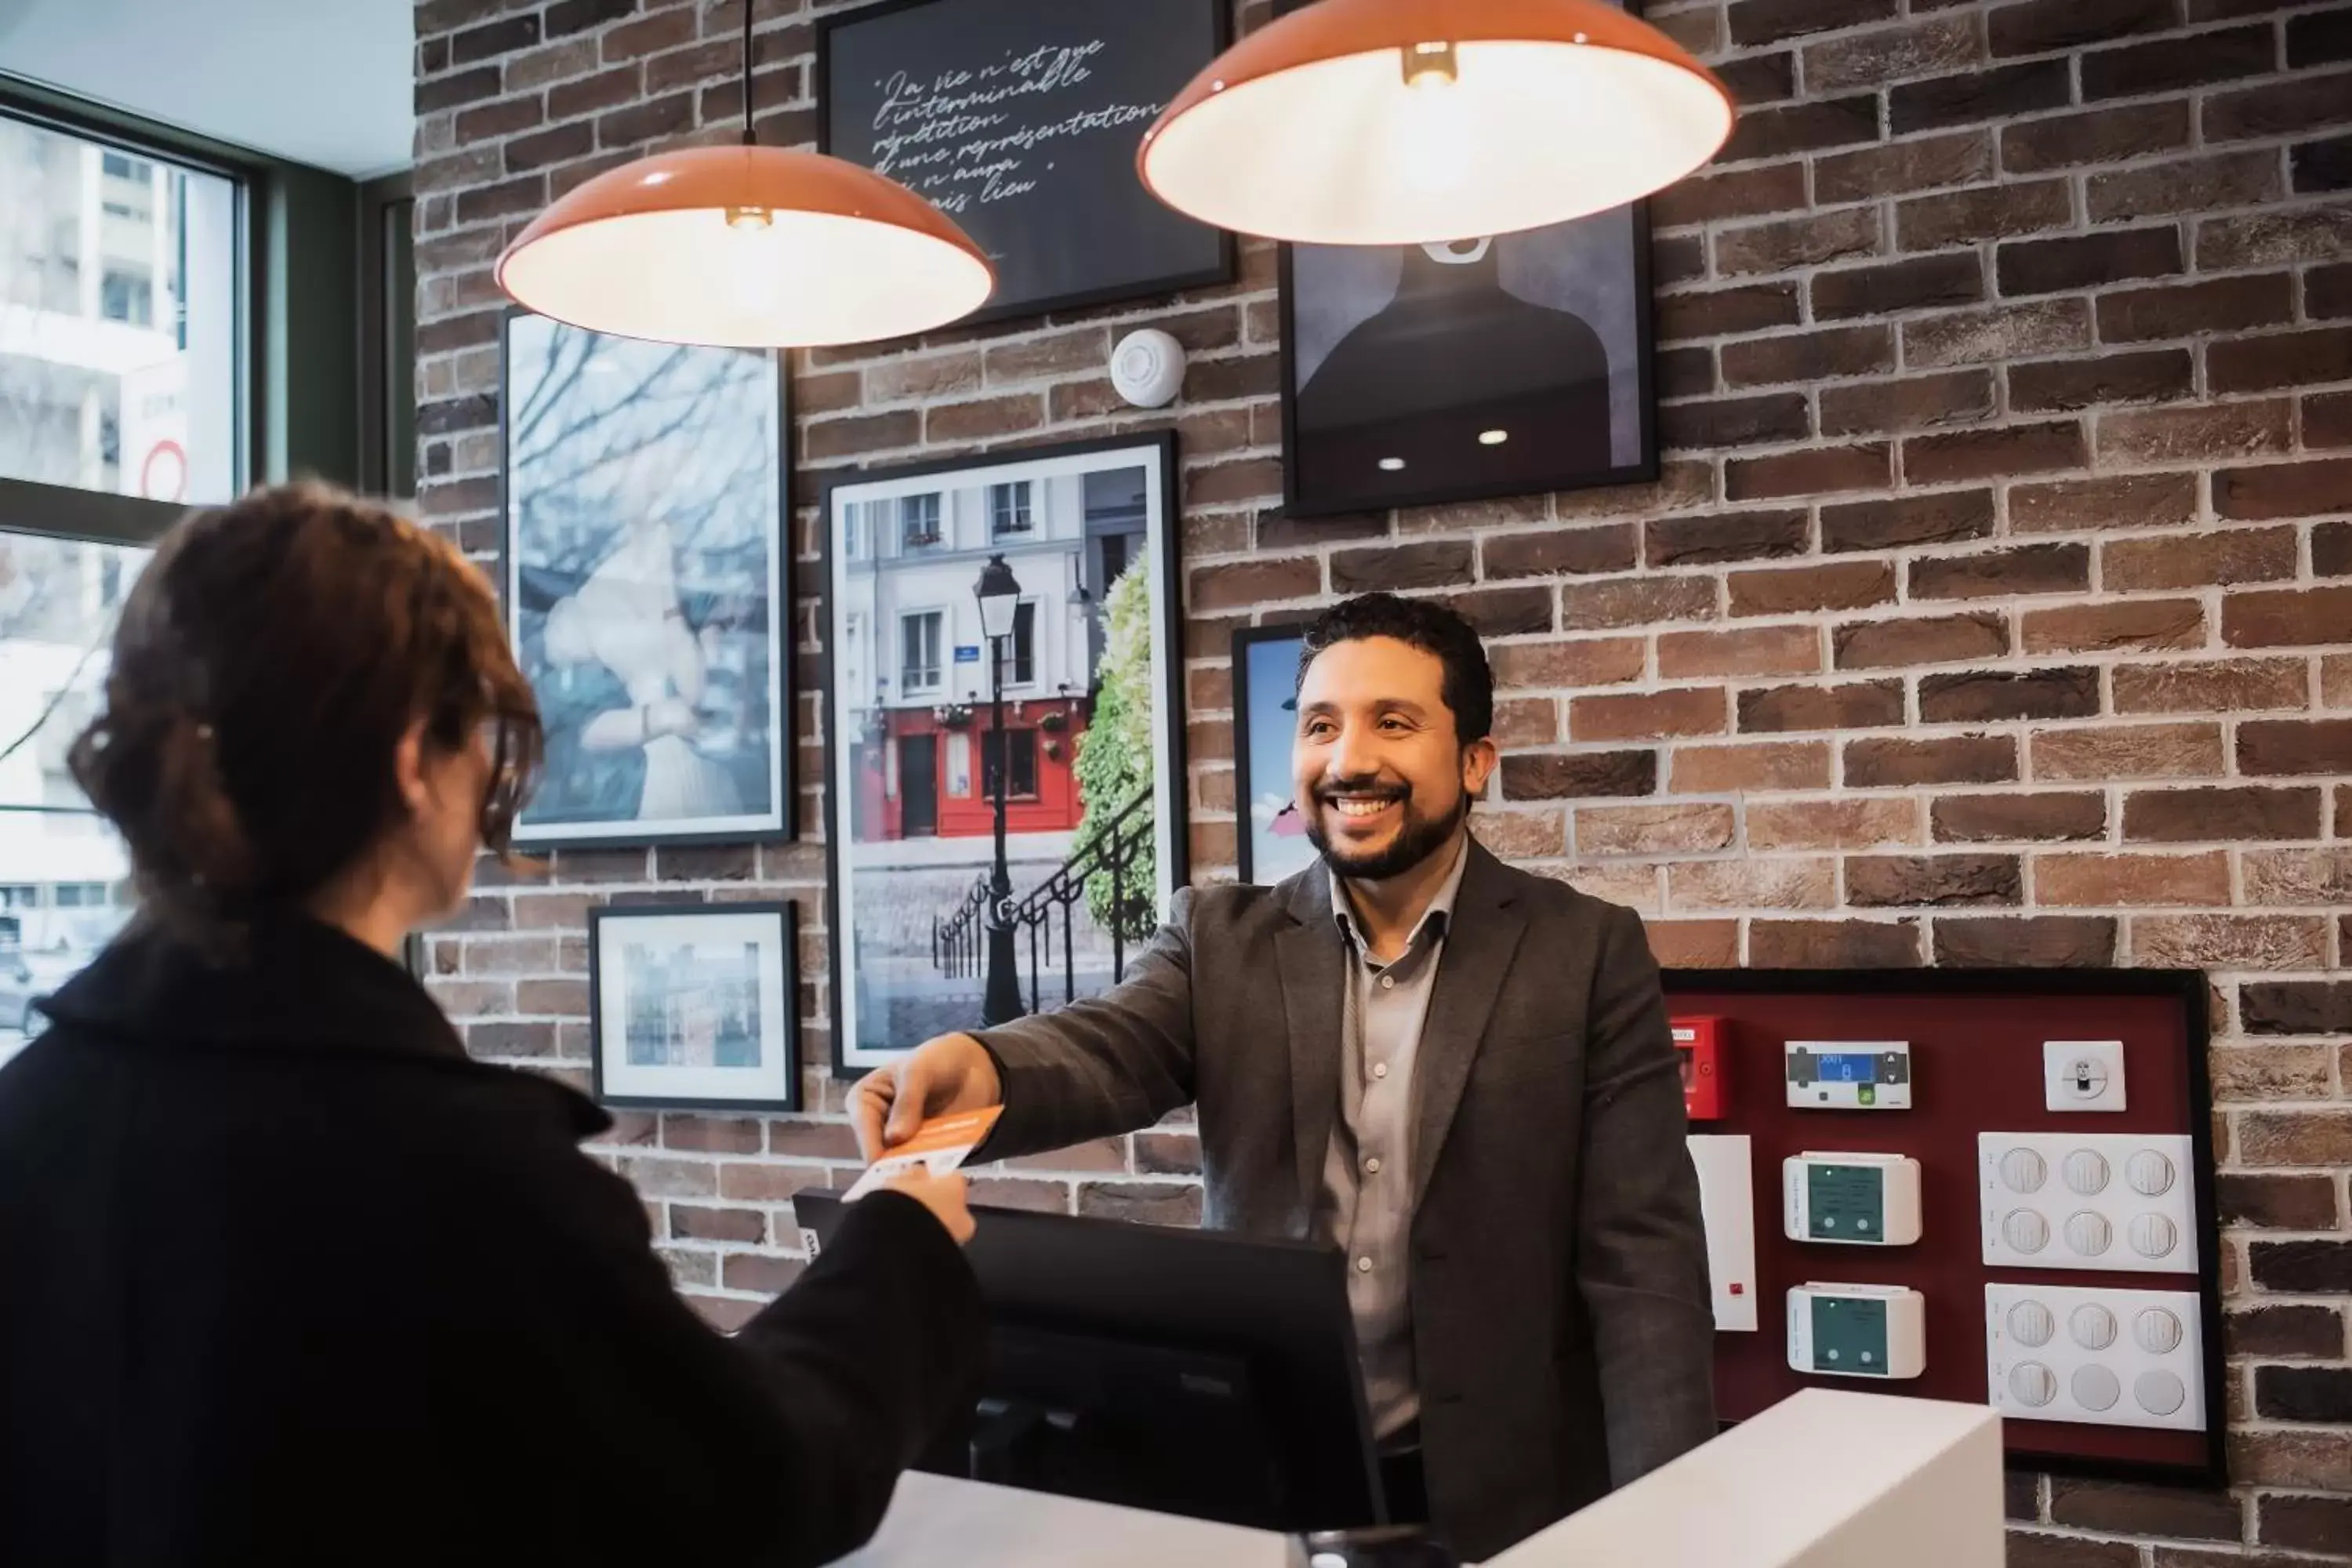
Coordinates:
<point>1050,754</point>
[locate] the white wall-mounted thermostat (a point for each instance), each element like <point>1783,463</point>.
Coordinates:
<point>1147,368</point>
<point>2083,1075</point>
<point>1858,1330</point>
<point>1848,1074</point>
<point>1856,1200</point>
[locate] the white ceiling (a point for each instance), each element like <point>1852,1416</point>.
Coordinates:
<point>325,82</point>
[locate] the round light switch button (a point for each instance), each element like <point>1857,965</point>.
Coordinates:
<point>2023,1171</point>
<point>2088,1233</point>
<point>2159,1392</point>
<point>2092,1326</point>
<point>2095,1388</point>
<point>2025,1230</point>
<point>2030,1323</point>
<point>2086,1172</point>
<point>2158,1331</point>
<point>2153,1236</point>
<point>2032,1384</point>
<point>2149,1172</point>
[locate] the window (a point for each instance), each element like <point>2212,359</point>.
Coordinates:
<point>1025,645</point>
<point>1021,784</point>
<point>127,297</point>
<point>1008,508</point>
<point>918,520</point>
<point>855,529</point>
<point>60,863</point>
<point>918,651</point>
<point>110,379</point>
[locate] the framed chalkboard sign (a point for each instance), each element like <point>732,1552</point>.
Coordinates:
<point>1021,118</point>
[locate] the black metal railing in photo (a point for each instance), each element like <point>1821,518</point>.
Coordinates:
<point>1123,850</point>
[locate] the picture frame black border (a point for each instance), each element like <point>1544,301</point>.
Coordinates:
<point>784,911</point>
<point>782,618</point>
<point>1246,638</point>
<point>2188,988</point>
<point>1646,351</point>
<point>1228,260</point>
<point>1178,792</point>
<point>1646,400</point>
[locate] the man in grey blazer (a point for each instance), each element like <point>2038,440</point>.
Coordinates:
<point>1458,1073</point>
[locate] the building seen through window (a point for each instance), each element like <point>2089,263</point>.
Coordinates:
<point>119,320</point>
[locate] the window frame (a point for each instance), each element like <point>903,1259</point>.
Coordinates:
<point>1035,607</point>
<point>93,517</point>
<point>939,682</point>
<point>999,742</point>
<point>1017,498</point>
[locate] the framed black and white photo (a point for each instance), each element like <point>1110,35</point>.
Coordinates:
<point>696,1007</point>
<point>1069,551</point>
<point>1510,364</point>
<point>1273,842</point>
<point>646,586</point>
<point>1020,119</point>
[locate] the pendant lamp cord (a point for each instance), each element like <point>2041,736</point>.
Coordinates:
<point>749,139</point>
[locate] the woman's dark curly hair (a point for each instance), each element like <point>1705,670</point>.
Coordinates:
<point>267,664</point>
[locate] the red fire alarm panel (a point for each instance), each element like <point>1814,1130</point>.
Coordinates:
<point>1701,1045</point>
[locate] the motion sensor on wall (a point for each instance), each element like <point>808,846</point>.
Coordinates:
<point>1147,368</point>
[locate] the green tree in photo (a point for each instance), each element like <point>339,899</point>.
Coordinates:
<point>1114,763</point>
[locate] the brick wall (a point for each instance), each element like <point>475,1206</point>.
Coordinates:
<point>1994,604</point>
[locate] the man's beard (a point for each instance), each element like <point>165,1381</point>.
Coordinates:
<point>1419,838</point>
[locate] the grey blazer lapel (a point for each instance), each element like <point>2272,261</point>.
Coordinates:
<point>1312,965</point>
<point>1480,943</point>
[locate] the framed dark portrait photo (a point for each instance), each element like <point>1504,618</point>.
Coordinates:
<point>1510,364</point>
<point>647,590</point>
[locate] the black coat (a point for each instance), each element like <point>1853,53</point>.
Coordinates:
<point>284,1278</point>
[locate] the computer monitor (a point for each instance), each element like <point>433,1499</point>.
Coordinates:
<point>1183,1372</point>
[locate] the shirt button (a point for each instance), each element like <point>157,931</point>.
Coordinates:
<point>1372,1166</point>
<point>1388,982</point>
<point>1363,1266</point>
<point>1380,1069</point>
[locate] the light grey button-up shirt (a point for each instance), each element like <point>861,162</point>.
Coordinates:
<point>1367,1201</point>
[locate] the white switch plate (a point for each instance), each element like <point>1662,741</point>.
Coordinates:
<point>2116,1202</point>
<point>1727,1206</point>
<point>2045,1358</point>
<point>2083,1075</point>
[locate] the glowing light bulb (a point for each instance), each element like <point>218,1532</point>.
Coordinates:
<point>755,271</point>
<point>1391,464</point>
<point>1434,137</point>
<point>1493,437</point>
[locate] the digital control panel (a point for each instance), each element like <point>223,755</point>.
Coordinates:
<point>1848,1074</point>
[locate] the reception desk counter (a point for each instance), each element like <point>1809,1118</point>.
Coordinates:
<point>1824,1479</point>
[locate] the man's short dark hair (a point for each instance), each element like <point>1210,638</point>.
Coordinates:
<point>1468,685</point>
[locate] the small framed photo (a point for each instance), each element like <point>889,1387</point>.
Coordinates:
<point>695,1008</point>
<point>1273,843</point>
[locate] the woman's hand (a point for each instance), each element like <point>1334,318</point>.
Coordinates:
<point>943,1195</point>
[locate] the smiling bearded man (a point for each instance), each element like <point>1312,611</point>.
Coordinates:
<point>1458,1073</point>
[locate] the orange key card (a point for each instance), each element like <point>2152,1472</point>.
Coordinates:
<point>938,1146</point>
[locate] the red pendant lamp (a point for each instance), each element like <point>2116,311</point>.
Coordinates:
<point>746,246</point>
<point>1415,121</point>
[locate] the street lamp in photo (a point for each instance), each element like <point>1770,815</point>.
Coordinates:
<point>999,592</point>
